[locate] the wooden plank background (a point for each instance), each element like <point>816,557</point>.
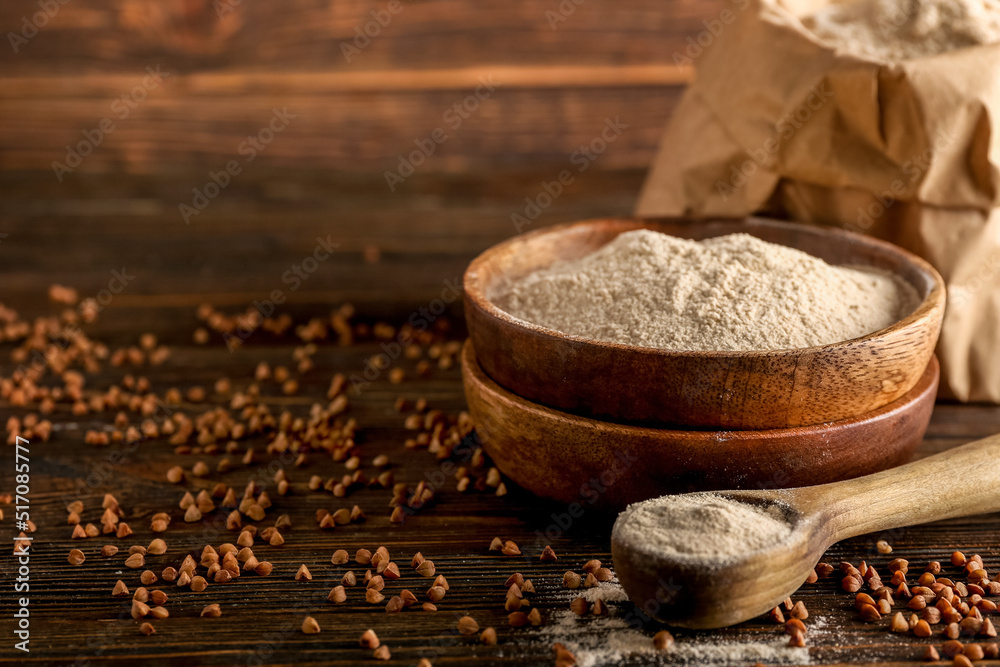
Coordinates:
<point>324,173</point>
<point>226,74</point>
<point>323,177</point>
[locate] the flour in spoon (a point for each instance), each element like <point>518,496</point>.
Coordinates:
<point>704,528</point>
<point>732,292</point>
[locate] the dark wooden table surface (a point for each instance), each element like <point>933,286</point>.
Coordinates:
<point>237,255</point>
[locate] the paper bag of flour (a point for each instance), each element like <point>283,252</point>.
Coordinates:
<point>878,116</point>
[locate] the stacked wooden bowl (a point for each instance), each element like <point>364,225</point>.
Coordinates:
<point>604,424</point>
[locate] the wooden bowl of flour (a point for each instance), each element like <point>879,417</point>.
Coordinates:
<point>722,390</point>
<point>590,463</point>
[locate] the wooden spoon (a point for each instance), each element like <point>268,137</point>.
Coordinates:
<point>960,482</point>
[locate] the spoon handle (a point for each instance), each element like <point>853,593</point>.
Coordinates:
<point>959,482</point>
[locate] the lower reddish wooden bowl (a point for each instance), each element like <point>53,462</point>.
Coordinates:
<point>606,465</point>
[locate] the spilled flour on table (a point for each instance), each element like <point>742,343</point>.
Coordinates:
<point>599,641</point>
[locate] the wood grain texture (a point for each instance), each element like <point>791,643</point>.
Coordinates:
<point>176,128</point>
<point>225,71</point>
<point>240,247</point>
<point>75,233</point>
<point>873,504</point>
<point>192,35</point>
<point>715,390</point>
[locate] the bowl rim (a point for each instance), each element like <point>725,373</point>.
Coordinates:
<point>927,381</point>
<point>934,300</point>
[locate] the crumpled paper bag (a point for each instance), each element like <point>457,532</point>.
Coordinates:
<point>778,123</point>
